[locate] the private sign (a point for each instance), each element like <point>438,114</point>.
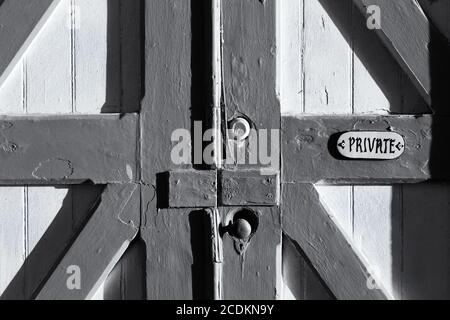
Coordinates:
<point>372,145</point>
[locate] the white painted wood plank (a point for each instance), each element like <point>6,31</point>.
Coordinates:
<point>48,90</point>
<point>425,242</point>
<point>315,77</point>
<point>96,85</point>
<point>327,62</point>
<point>48,66</point>
<point>327,84</point>
<point>380,86</point>
<point>12,206</point>
<point>21,21</point>
<point>377,221</point>
<point>338,203</point>
<point>290,24</point>
<point>12,228</point>
<point>11,92</point>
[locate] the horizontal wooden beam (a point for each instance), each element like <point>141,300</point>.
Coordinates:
<point>20,22</point>
<point>68,149</point>
<point>249,188</point>
<point>417,45</point>
<point>309,142</point>
<point>309,226</point>
<point>204,189</point>
<point>99,246</point>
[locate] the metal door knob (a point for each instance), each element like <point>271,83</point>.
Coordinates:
<point>242,229</point>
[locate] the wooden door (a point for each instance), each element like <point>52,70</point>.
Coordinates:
<point>214,189</point>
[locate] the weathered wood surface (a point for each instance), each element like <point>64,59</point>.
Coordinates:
<point>190,189</point>
<point>252,274</point>
<point>66,69</point>
<point>71,149</point>
<point>99,246</point>
<point>249,63</point>
<point>21,22</point>
<point>310,140</point>
<point>309,225</point>
<point>304,281</point>
<point>250,90</point>
<point>165,108</point>
<point>424,56</point>
<point>249,188</point>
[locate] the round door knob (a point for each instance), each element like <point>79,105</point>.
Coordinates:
<point>242,229</point>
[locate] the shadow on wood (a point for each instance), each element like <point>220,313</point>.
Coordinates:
<point>124,65</point>
<point>127,280</point>
<point>75,211</point>
<point>426,222</point>
<point>369,48</point>
<point>302,279</point>
<point>202,260</point>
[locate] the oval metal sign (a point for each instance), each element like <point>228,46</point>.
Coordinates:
<point>371,145</point>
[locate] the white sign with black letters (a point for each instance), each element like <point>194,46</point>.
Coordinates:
<point>374,145</point>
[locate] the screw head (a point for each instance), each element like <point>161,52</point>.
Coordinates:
<point>242,229</point>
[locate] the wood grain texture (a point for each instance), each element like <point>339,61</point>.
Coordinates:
<point>166,107</point>
<point>249,62</point>
<point>418,55</point>
<point>249,188</point>
<point>12,234</point>
<point>53,151</point>
<point>309,139</point>
<point>308,224</point>
<point>100,244</point>
<point>250,90</point>
<point>302,280</point>
<point>179,257</point>
<point>252,275</point>
<point>327,61</point>
<point>21,22</point>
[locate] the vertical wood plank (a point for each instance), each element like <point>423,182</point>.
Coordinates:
<point>12,206</point>
<point>131,55</point>
<point>425,242</point>
<point>48,66</point>
<point>166,107</point>
<point>249,76</point>
<point>252,274</point>
<point>305,283</point>
<point>328,85</point>
<point>179,255</point>
<point>95,49</point>
<point>322,73</point>
<point>328,81</point>
<point>377,89</point>
<point>439,12</point>
<point>327,61</point>
<point>290,55</point>
<point>425,255</point>
<point>11,92</point>
<point>377,226</point>
<point>12,240</point>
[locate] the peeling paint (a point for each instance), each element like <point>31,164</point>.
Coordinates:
<point>129,172</point>
<point>53,169</point>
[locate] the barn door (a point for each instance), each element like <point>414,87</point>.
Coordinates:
<point>208,174</point>
<point>215,229</point>
<point>363,150</point>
